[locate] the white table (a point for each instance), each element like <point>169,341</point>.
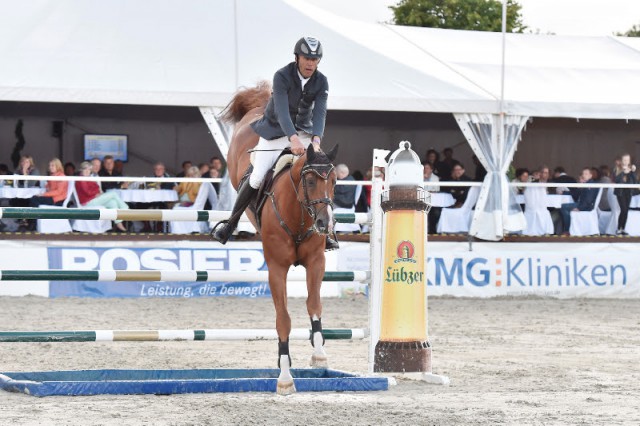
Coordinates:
<point>635,202</point>
<point>553,200</point>
<point>146,195</point>
<point>10,192</point>
<point>442,199</point>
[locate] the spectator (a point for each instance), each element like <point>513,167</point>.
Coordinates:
<point>69,169</point>
<point>215,174</point>
<point>26,167</point>
<point>204,169</point>
<point>118,166</point>
<point>605,177</point>
<point>160,171</point>
<point>186,165</point>
<point>90,195</point>
<point>481,172</point>
<point>447,164</point>
<point>4,171</point>
<point>586,200</point>
<point>188,191</point>
<point>560,176</point>
<point>522,175</point>
<point>433,158</point>
<point>344,195</point>
<point>216,163</point>
<point>459,192</point>
<point>96,166</point>
<point>56,193</point>
<point>108,170</point>
<point>627,175</point>
<point>429,176</point>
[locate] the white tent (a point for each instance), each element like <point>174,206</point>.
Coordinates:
<point>197,53</point>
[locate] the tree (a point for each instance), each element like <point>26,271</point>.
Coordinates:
<point>477,15</point>
<point>632,32</point>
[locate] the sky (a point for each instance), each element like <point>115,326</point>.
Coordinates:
<point>562,17</point>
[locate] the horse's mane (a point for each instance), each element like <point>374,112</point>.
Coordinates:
<point>245,100</point>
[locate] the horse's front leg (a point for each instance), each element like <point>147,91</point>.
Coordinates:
<point>315,273</point>
<point>278,285</point>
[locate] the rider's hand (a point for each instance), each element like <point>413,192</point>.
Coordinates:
<point>296,146</point>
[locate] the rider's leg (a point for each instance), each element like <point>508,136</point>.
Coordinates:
<point>332,242</point>
<point>266,154</point>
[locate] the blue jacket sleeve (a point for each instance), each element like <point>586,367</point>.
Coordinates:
<point>281,104</point>
<point>320,110</point>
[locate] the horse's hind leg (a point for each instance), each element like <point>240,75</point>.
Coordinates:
<point>315,272</point>
<point>278,285</point>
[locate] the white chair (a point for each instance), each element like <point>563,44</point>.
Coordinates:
<point>585,223</point>
<point>538,218</point>
<point>89,226</point>
<point>459,220</point>
<point>57,226</point>
<point>206,192</point>
<point>348,227</point>
<point>633,223</point>
<point>608,220</point>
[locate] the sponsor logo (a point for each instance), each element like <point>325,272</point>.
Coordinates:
<point>405,252</point>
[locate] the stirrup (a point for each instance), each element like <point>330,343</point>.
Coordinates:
<point>215,229</point>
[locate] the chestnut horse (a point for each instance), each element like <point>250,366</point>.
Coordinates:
<point>294,222</point>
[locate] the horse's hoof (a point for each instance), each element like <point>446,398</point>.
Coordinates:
<point>319,361</point>
<point>286,388</point>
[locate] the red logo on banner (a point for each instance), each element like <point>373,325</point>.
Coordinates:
<point>405,252</point>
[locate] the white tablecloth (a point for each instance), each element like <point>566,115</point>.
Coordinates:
<point>442,199</point>
<point>635,202</point>
<point>146,195</point>
<point>553,200</point>
<point>9,192</point>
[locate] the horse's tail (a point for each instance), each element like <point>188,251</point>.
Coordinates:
<point>245,100</point>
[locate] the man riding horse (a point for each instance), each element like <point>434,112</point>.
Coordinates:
<point>294,118</point>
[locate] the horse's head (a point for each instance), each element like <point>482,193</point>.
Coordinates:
<point>318,180</point>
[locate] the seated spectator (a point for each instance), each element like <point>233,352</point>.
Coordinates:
<point>118,166</point>
<point>204,169</point>
<point>4,171</point>
<point>459,192</point>
<point>586,200</point>
<point>188,191</point>
<point>448,162</point>
<point>429,176</point>
<point>160,171</point>
<point>96,166</point>
<point>560,176</point>
<point>605,177</point>
<point>216,163</point>
<point>108,170</point>
<point>26,167</point>
<point>433,158</point>
<point>90,195</point>
<point>344,195</point>
<point>481,172</point>
<point>69,169</point>
<point>215,174</point>
<point>56,193</point>
<point>522,175</point>
<point>186,165</point>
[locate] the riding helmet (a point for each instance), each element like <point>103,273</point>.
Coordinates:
<point>309,47</point>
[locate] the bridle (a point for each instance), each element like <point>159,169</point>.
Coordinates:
<point>323,171</point>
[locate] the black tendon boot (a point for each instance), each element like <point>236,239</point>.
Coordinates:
<point>332,242</point>
<point>223,230</point>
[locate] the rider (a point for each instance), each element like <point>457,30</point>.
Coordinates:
<point>294,117</point>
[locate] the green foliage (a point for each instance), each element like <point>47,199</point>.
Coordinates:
<point>632,32</point>
<point>477,15</point>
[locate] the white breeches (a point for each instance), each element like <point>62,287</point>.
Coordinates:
<point>267,153</point>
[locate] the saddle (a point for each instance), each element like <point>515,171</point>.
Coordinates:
<point>282,164</point>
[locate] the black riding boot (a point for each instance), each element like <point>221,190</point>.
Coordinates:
<point>223,230</point>
<point>332,242</point>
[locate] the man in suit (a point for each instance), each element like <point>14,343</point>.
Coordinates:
<point>586,200</point>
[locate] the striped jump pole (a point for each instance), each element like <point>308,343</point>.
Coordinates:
<point>170,276</point>
<point>181,215</point>
<point>174,335</point>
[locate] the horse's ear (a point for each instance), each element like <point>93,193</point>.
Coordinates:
<point>311,153</point>
<point>331,155</point>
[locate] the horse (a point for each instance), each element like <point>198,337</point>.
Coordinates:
<point>294,222</point>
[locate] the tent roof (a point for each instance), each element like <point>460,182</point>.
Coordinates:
<point>197,53</point>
